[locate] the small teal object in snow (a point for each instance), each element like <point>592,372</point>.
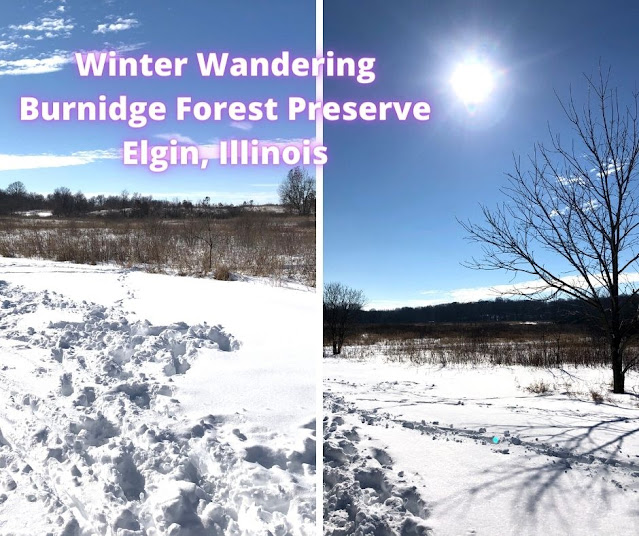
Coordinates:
<point>495,440</point>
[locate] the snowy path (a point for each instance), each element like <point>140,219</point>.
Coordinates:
<point>127,409</point>
<point>410,451</point>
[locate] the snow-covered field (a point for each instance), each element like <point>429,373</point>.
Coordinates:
<point>141,404</point>
<point>458,451</point>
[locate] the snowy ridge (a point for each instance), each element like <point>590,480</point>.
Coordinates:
<point>95,438</point>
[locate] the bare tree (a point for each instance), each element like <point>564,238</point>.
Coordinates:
<point>203,230</point>
<point>297,192</point>
<point>63,202</point>
<point>342,304</point>
<point>17,189</point>
<point>571,218</point>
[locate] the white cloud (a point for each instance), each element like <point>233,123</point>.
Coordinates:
<point>384,305</point>
<point>611,168</point>
<point>473,294</point>
<point>56,61</point>
<point>13,162</point>
<point>242,125</point>
<point>554,212</point>
<point>590,205</point>
<point>179,137</point>
<point>119,25</point>
<point>45,27</point>
<point>209,150</point>
<point>7,45</point>
<point>573,179</point>
<point>536,286</point>
<point>47,64</point>
<point>121,48</point>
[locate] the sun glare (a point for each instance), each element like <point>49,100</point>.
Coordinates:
<point>473,82</point>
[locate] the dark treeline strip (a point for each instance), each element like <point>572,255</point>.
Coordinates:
<point>499,310</point>
<point>62,202</point>
<point>474,331</point>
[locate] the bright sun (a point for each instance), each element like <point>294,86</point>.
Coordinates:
<point>473,82</point>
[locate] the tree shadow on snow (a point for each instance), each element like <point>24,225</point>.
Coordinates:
<point>543,479</point>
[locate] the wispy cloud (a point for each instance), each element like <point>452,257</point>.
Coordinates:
<point>48,63</point>
<point>39,65</point>
<point>120,24</point>
<point>610,169</point>
<point>13,162</point>
<point>472,294</point>
<point>46,27</point>
<point>573,179</point>
<point>8,45</point>
<point>385,305</point>
<point>179,137</point>
<point>242,125</point>
<point>207,150</point>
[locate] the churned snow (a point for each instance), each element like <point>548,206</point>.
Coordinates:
<point>142,404</point>
<point>417,450</point>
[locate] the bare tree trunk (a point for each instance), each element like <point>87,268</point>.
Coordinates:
<point>618,376</point>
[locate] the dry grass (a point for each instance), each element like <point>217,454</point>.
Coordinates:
<point>536,345</point>
<point>538,387</point>
<point>222,273</point>
<point>253,244</point>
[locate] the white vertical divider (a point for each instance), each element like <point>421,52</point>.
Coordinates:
<point>319,238</point>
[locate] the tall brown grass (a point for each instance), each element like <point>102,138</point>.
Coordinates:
<point>537,345</point>
<point>252,244</point>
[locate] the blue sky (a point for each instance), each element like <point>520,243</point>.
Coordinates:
<point>38,38</point>
<point>393,191</point>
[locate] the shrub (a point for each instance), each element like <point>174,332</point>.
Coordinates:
<point>538,387</point>
<point>222,273</point>
<point>597,397</point>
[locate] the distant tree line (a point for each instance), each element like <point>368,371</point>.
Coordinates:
<point>498,310</point>
<point>63,202</point>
